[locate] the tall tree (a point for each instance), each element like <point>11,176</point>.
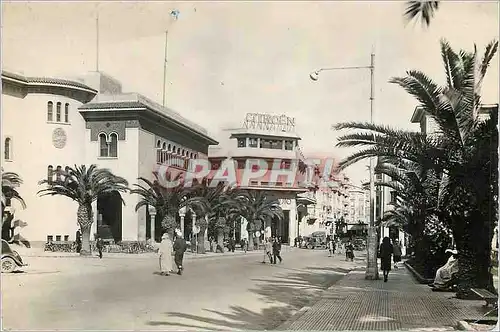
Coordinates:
<point>10,182</point>
<point>84,186</point>
<point>205,201</point>
<point>166,200</point>
<point>258,209</point>
<point>462,153</point>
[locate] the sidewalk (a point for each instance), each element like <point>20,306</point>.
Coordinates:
<point>400,304</point>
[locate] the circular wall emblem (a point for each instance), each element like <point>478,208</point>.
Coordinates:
<point>59,138</point>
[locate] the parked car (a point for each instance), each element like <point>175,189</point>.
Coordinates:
<point>316,240</point>
<point>10,258</point>
<point>359,244</point>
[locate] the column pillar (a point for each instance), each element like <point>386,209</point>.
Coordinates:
<point>152,213</point>
<point>93,228</point>
<point>182,224</point>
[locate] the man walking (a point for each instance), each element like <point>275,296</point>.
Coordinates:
<point>99,245</point>
<point>78,240</point>
<point>180,247</point>
<point>277,250</point>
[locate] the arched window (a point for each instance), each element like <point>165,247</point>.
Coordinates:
<point>66,113</point>
<point>191,155</point>
<point>7,150</point>
<point>58,173</point>
<point>173,149</point>
<point>58,112</point>
<point>113,145</point>
<point>169,147</point>
<point>195,156</point>
<point>164,147</point>
<point>50,174</point>
<point>158,144</point>
<point>50,111</point>
<point>103,145</point>
<point>178,151</point>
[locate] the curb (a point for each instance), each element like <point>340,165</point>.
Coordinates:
<point>286,325</point>
<point>141,256</point>
<point>417,275</point>
<point>464,326</point>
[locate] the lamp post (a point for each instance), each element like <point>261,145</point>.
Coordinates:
<point>371,269</point>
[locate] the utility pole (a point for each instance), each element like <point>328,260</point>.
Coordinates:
<point>372,266</point>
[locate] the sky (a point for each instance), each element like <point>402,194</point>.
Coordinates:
<point>226,59</point>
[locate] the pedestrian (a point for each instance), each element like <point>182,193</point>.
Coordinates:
<point>244,244</point>
<point>78,240</point>
<point>180,247</point>
<point>268,248</point>
<point>232,244</point>
<point>386,251</point>
<point>277,250</point>
<point>349,251</point>
<point>331,246</point>
<point>397,253</point>
<point>99,245</point>
<point>165,252</point>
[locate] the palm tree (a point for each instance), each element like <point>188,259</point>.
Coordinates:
<point>424,9</point>
<point>10,182</point>
<point>84,186</point>
<point>462,155</point>
<point>206,201</point>
<point>258,209</point>
<point>166,201</point>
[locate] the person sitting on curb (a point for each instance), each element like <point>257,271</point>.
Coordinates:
<point>446,273</point>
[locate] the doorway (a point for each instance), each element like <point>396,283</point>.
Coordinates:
<point>109,222</point>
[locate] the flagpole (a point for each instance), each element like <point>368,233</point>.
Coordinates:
<point>174,14</point>
<point>165,69</point>
<point>97,38</point>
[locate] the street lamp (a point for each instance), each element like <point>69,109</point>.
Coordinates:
<point>371,269</point>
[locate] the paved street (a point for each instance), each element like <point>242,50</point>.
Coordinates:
<point>214,293</point>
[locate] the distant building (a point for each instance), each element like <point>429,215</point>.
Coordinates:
<point>49,124</point>
<point>262,137</point>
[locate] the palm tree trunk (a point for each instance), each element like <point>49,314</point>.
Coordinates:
<point>473,239</point>
<point>220,238</point>
<point>201,222</point>
<point>84,216</point>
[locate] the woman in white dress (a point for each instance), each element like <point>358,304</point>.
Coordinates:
<point>165,252</point>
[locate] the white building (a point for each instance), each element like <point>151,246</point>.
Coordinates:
<point>50,123</point>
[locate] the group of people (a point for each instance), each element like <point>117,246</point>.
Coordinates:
<point>99,243</point>
<point>169,248</point>
<point>273,250</point>
<point>388,249</point>
<point>332,247</point>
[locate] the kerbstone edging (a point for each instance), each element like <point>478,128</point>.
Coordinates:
<point>417,275</point>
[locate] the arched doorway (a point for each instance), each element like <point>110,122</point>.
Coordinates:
<point>109,218</point>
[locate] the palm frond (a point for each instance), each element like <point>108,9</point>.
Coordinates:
<point>423,9</point>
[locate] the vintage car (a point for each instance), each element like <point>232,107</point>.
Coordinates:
<point>316,240</point>
<point>10,258</point>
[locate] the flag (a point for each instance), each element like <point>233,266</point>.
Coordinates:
<point>175,14</point>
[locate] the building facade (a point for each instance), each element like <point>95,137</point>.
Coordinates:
<point>90,121</point>
<point>271,140</point>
